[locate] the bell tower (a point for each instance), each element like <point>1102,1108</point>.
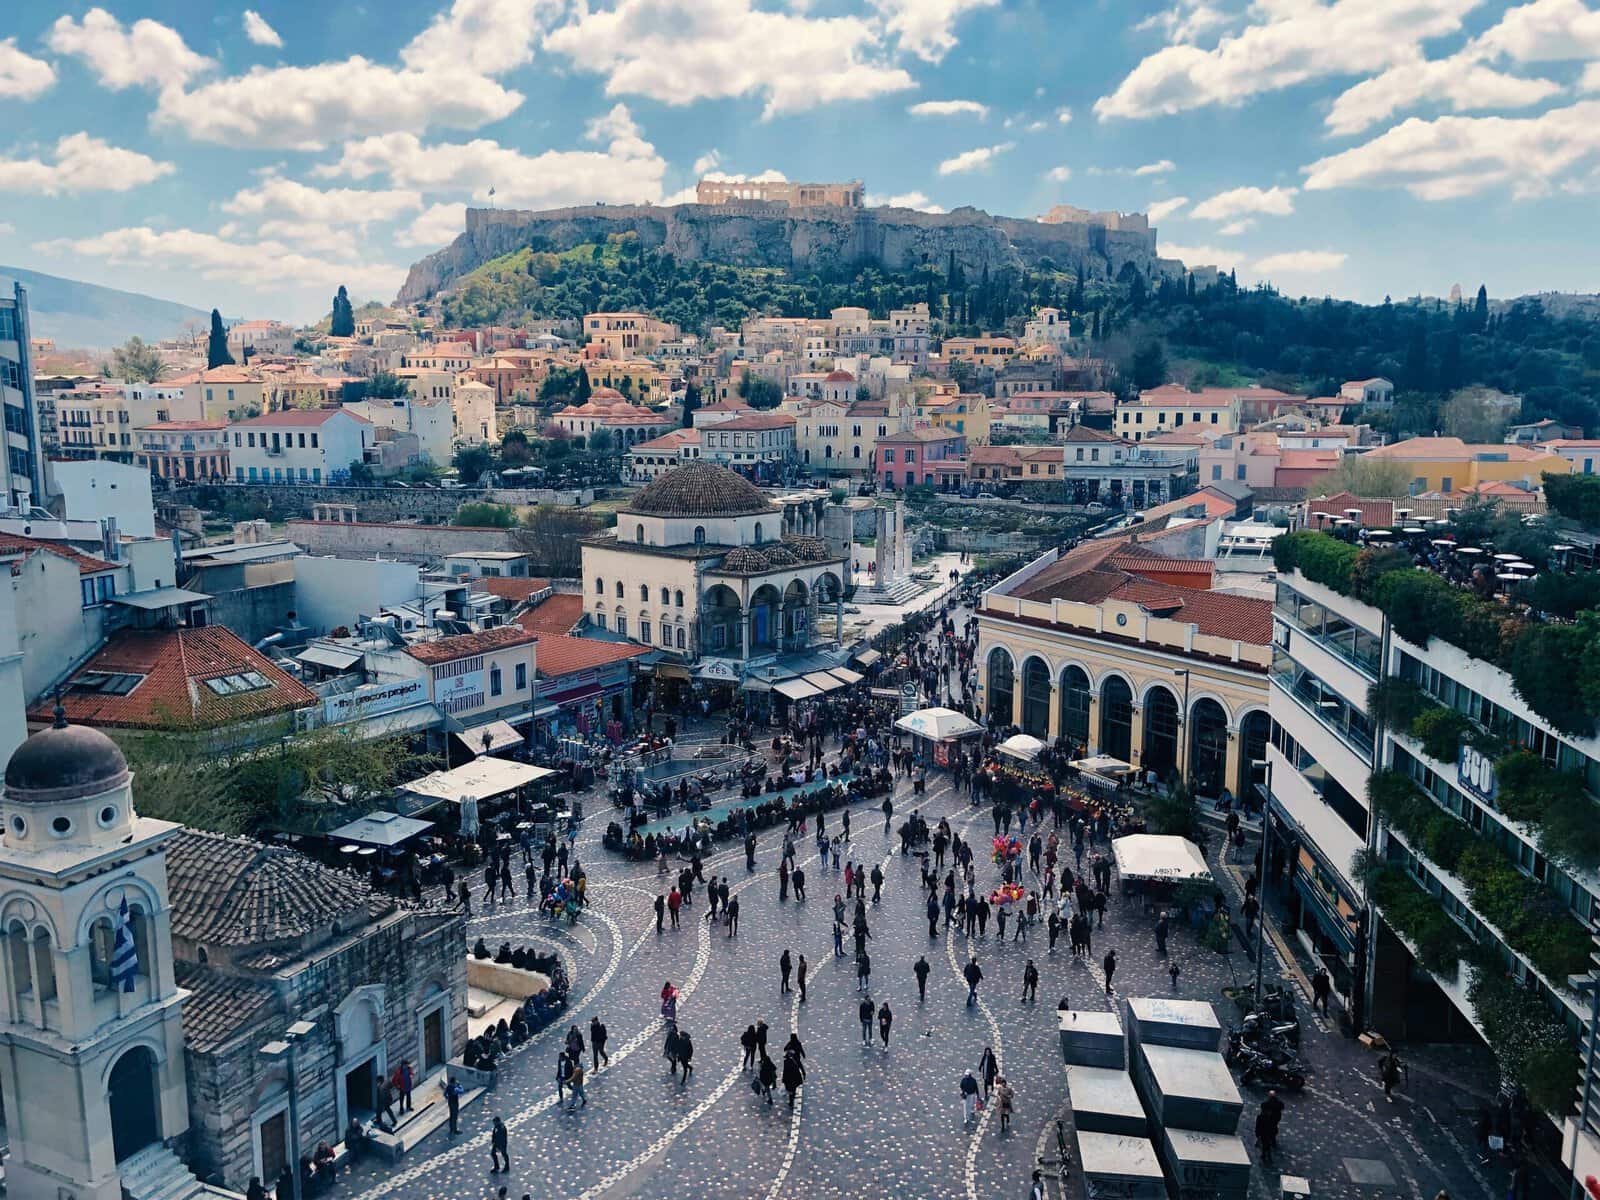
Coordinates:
<point>91,1037</point>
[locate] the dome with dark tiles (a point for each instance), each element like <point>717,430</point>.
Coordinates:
<point>744,559</point>
<point>807,548</point>
<point>64,762</point>
<point>780,555</point>
<point>700,489</point>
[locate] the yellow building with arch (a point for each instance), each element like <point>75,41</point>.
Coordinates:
<point>1122,651</point>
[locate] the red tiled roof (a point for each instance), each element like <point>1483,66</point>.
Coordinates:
<point>299,417</point>
<point>448,649</point>
<point>1139,560</point>
<point>560,655</point>
<point>175,664</point>
<point>1375,514</point>
<point>12,543</point>
<point>757,421</point>
<point>1220,614</point>
<point>515,590</point>
<point>554,616</point>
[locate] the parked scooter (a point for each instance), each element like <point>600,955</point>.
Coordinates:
<point>1258,1068</point>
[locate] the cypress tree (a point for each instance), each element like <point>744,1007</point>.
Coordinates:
<point>343,323</point>
<point>1480,307</point>
<point>217,347</point>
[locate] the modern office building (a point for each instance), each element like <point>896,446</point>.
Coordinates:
<point>22,466</point>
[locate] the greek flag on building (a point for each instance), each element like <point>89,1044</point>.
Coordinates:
<point>124,955</point>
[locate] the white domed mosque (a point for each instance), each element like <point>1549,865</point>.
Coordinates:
<point>706,567</point>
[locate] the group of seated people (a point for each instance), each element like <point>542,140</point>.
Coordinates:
<point>776,810</point>
<point>523,958</point>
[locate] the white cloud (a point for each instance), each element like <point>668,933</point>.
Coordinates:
<point>926,27</point>
<point>949,108</point>
<point>1458,83</point>
<point>486,37</point>
<point>917,200</point>
<point>1037,126</point>
<point>1201,256</point>
<point>306,108</point>
<point>1243,201</point>
<point>258,31</point>
<point>277,196</point>
<point>709,161</point>
<point>1301,262</point>
<point>1189,20</point>
<point>145,54</point>
<point>1059,174</point>
<point>1290,42</point>
<point>7,228</point>
<point>1544,31</point>
<point>1450,157</point>
<point>22,77</point>
<point>1165,208</point>
<point>1591,78</point>
<point>212,257</point>
<point>677,53</point>
<point>627,170</point>
<point>972,160</point>
<point>434,227</point>
<point>1161,167</point>
<point>1064,116</point>
<point>1235,228</point>
<point>82,164</point>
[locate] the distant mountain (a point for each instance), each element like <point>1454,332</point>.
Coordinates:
<point>86,316</point>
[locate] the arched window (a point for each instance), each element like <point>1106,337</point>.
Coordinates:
<point>666,595</point>
<point>682,641</point>
<point>102,942</point>
<point>44,964</point>
<point>699,535</point>
<point>619,589</point>
<point>599,587</point>
<point>638,534</point>
<point>644,592</point>
<point>677,599</point>
<point>21,972</point>
<point>758,531</point>
<point>494,680</point>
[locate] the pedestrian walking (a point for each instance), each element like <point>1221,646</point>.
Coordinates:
<point>1005,1102</point>
<point>974,976</point>
<point>767,1074</point>
<point>988,1070</point>
<point>670,1052</point>
<point>597,1042</point>
<point>921,969</point>
<point>1267,1126</point>
<point>747,1039</point>
<point>674,903</point>
<point>863,971</point>
<point>797,880</point>
<point>877,883</point>
<point>404,1080</point>
<point>969,1099</point>
<point>686,1055</point>
<point>1161,935</point>
<point>794,1074</point>
<point>1173,972</point>
<point>1110,965</point>
<point>800,978</point>
<point>661,912</point>
<point>1030,982</point>
<point>732,910</point>
<point>575,1086</point>
<point>933,916</point>
<point>885,1022</point>
<point>452,1099</point>
<point>867,1011</point>
<point>785,967</point>
<point>499,1147</point>
<point>1321,989</point>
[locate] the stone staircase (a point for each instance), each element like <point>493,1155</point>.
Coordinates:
<point>430,1115</point>
<point>897,592</point>
<point>156,1173</point>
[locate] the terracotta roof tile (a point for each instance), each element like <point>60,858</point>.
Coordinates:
<point>557,615</point>
<point>515,590</point>
<point>219,1006</point>
<point>560,655</point>
<point>448,649</point>
<point>11,543</point>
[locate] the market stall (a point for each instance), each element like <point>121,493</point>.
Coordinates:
<point>937,732</point>
<point>1101,770</point>
<point>1150,860</point>
<point>1022,746</point>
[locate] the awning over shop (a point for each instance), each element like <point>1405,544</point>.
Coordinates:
<point>846,674</point>
<point>1023,746</point>
<point>796,689</point>
<point>334,658</point>
<point>403,720</point>
<point>823,681</point>
<point>481,779</point>
<point>576,695</point>
<point>719,670</point>
<point>1158,856</point>
<point>1103,769</point>
<point>385,829</point>
<point>500,735</point>
<point>866,658</point>
<point>672,670</point>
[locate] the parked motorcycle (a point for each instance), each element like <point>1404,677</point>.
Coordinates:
<point>1258,1068</point>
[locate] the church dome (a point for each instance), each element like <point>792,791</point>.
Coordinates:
<point>780,555</point>
<point>700,489</point>
<point>606,395</point>
<point>808,548</point>
<point>64,762</point>
<point>745,560</point>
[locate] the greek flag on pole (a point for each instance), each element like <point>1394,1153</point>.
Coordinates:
<point>124,955</point>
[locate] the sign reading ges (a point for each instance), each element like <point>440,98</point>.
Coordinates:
<point>1475,773</point>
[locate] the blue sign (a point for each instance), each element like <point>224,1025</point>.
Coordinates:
<point>1475,773</point>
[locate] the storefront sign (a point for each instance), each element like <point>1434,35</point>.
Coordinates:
<point>1475,773</point>
<point>908,700</point>
<point>372,699</point>
<point>720,670</point>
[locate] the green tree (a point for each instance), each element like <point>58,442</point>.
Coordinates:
<point>600,441</point>
<point>343,322</point>
<point>360,473</point>
<point>482,513</point>
<point>1147,368</point>
<point>1480,308</point>
<point>691,402</point>
<point>386,385</point>
<point>217,347</point>
<point>137,362</point>
<point>583,389</point>
<point>1373,478</point>
<point>471,462</point>
<point>515,449</point>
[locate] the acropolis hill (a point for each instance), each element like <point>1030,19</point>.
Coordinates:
<point>805,236</point>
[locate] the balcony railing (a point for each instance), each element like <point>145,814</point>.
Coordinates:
<point>1323,703</point>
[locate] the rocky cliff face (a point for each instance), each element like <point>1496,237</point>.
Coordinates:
<point>799,239</point>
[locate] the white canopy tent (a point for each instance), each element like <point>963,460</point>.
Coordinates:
<point>938,724</point>
<point>1022,745</point>
<point>481,779</point>
<point>1161,857</point>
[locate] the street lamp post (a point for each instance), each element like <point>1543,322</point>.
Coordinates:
<point>1183,730</point>
<point>1266,870</point>
<point>282,1051</point>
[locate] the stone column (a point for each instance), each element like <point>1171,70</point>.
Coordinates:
<point>1230,772</point>
<point>1136,737</point>
<point>1016,699</point>
<point>838,619</point>
<point>1054,730</point>
<point>1092,742</point>
<point>749,632</point>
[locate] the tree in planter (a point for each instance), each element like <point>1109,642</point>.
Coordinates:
<point>484,514</point>
<point>1440,731</point>
<point>1531,1045</point>
<point>1542,663</point>
<point>1174,811</point>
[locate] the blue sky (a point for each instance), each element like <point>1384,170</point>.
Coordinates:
<point>254,158</point>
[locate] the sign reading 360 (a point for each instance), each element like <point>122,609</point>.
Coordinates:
<point>1475,772</point>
